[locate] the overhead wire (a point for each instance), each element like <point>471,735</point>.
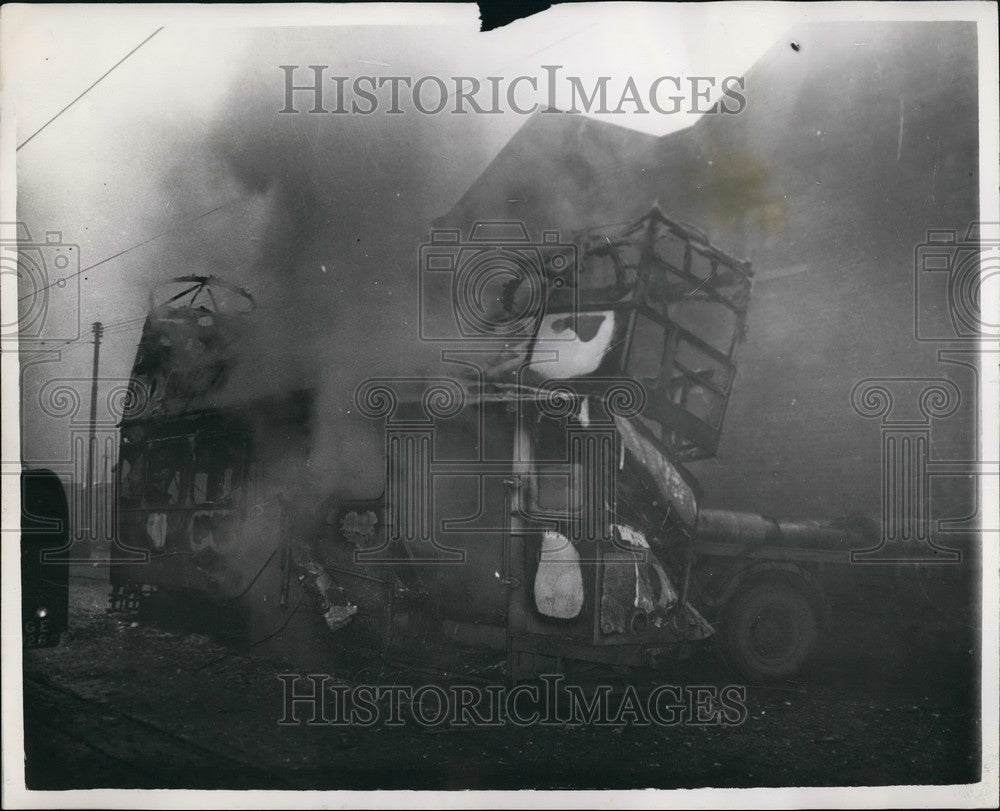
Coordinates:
<point>101,78</point>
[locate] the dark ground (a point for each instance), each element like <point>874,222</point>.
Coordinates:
<point>124,703</point>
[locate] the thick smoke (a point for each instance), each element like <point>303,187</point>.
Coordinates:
<point>343,203</point>
<point>323,220</point>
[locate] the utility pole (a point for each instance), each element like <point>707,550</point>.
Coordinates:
<point>92,439</point>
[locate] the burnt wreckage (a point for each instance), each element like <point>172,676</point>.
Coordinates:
<point>536,504</point>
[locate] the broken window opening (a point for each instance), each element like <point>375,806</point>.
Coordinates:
<point>166,481</point>
<point>218,469</point>
<point>131,467</point>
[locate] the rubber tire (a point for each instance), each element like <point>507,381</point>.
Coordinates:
<point>785,606</point>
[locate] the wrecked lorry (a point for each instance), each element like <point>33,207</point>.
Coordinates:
<point>537,504</point>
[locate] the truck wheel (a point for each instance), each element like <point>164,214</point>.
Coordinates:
<point>770,630</point>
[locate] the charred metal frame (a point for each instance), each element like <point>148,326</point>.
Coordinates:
<point>647,285</point>
<point>658,284</point>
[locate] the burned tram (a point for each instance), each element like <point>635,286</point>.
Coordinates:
<point>536,507</point>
